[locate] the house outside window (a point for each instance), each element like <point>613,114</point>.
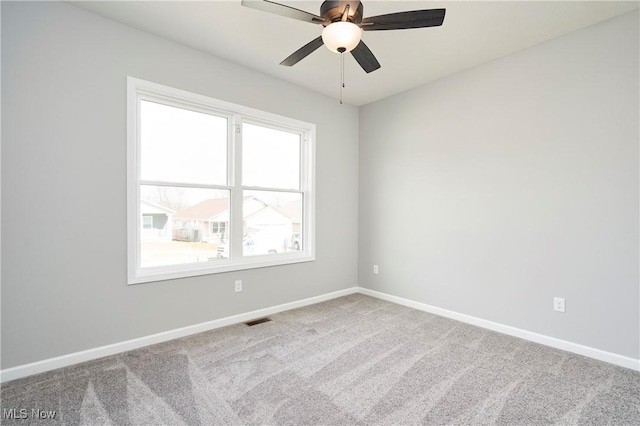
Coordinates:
<point>214,187</point>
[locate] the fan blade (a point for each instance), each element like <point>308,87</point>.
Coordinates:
<point>404,20</point>
<point>303,52</point>
<point>282,10</point>
<point>365,58</point>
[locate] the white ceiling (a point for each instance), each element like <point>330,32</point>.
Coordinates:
<point>473,33</point>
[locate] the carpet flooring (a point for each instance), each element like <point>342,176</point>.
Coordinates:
<point>354,360</point>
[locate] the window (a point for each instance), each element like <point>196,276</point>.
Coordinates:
<point>214,187</point>
<point>147,222</point>
<point>218,227</point>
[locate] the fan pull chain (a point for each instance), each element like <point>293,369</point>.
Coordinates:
<point>341,76</point>
<point>341,50</point>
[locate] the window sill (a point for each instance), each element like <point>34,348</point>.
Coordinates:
<point>172,272</point>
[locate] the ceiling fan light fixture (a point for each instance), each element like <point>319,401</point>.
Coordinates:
<point>340,35</point>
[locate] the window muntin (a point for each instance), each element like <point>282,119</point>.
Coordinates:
<point>196,167</point>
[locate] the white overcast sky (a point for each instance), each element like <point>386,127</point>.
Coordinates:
<point>179,145</point>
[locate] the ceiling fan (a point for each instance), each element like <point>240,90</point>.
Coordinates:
<point>343,25</point>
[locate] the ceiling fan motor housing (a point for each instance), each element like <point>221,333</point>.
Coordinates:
<point>332,10</point>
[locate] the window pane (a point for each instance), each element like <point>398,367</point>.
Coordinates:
<point>270,158</point>
<point>179,145</point>
<point>272,222</point>
<point>181,228</point>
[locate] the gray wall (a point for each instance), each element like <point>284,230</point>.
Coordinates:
<point>494,190</point>
<point>487,193</point>
<point>63,185</point>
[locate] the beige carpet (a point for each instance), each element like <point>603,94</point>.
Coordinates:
<point>353,360</point>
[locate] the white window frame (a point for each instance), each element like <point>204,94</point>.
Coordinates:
<point>138,90</point>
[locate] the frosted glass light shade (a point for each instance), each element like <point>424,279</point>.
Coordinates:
<point>341,34</point>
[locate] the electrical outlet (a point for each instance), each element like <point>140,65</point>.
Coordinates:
<point>558,304</point>
<point>375,269</point>
<point>238,286</point>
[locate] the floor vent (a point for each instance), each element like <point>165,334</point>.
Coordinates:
<point>257,321</point>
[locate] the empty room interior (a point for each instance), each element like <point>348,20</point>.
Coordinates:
<point>307,212</point>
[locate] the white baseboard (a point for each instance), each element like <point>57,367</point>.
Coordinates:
<point>95,353</point>
<point>621,360</point>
